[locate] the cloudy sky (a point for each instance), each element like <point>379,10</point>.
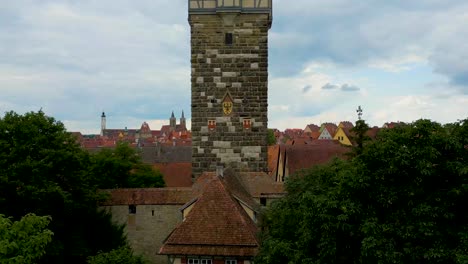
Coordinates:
<point>399,60</point>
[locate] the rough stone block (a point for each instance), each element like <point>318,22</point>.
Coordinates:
<point>229,74</point>
<point>210,52</point>
<point>221,144</point>
<point>223,119</point>
<point>251,149</point>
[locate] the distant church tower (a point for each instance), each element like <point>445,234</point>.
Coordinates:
<point>229,56</point>
<point>172,122</point>
<point>183,124</point>
<point>103,123</point>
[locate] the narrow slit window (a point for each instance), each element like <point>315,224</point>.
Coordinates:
<point>228,39</point>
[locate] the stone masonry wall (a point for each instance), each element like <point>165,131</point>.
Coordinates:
<point>148,228</point>
<point>239,69</point>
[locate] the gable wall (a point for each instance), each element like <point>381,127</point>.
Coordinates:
<point>146,232</point>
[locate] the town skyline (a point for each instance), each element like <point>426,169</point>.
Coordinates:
<point>400,61</point>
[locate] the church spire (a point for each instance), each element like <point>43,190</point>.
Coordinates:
<point>172,121</point>
<point>182,121</point>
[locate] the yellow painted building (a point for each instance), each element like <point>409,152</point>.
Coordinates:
<point>342,134</point>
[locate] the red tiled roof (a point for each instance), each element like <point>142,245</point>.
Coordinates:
<point>315,134</point>
<point>313,127</point>
<point>306,156</point>
<point>346,124</point>
<point>259,184</point>
<point>176,174</point>
<point>372,132</point>
<point>142,196</point>
<point>217,225</point>
<point>213,250</point>
<point>331,128</point>
<point>273,156</point>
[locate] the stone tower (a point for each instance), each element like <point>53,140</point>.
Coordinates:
<point>229,57</point>
<point>103,123</point>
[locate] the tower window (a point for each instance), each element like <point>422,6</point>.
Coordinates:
<point>132,209</point>
<point>228,39</point>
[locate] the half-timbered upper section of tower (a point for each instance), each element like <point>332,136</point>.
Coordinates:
<point>235,6</point>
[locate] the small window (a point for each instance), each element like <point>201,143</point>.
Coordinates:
<point>263,201</point>
<point>132,209</point>
<point>199,261</point>
<point>152,212</point>
<point>230,261</point>
<point>228,39</point>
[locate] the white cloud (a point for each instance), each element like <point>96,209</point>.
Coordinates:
<point>132,59</point>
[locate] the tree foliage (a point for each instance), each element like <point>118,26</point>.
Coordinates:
<point>44,171</point>
<point>360,137</point>
<point>23,241</point>
<point>271,139</point>
<point>122,255</point>
<point>122,168</point>
<point>401,200</point>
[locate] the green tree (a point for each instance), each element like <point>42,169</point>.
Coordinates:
<point>24,241</point>
<point>271,139</point>
<point>402,200</point>
<point>44,171</point>
<point>360,137</point>
<point>122,168</point>
<point>122,255</point>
